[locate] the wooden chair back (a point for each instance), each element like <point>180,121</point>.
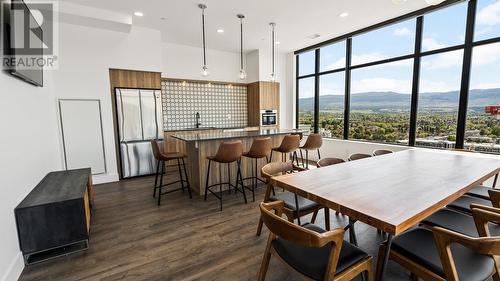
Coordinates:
<point>329,161</point>
<point>379,152</point>
<point>485,244</point>
<point>358,156</point>
<point>271,215</point>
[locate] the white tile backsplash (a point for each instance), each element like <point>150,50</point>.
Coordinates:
<point>220,106</point>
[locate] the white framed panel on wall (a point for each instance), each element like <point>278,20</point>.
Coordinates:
<point>82,134</point>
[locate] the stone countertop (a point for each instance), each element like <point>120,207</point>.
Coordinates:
<point>231,134</point>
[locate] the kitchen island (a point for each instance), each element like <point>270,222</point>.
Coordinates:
<point>202,143</point>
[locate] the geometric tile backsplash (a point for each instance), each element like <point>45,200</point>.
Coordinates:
<point>220,106</point>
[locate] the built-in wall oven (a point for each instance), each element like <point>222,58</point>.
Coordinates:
<point>268,117</point>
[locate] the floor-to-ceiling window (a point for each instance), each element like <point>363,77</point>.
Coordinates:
<point>423,80</point>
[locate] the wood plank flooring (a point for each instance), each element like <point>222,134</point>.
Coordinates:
<point>134,239</point>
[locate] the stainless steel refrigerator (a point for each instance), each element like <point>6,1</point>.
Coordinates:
<point>140,119</point>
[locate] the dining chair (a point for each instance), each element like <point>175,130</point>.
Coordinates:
<point>313,142</point>
<point>460,222</point>
<point>464,202</point>
<point>316,254</point>
<point>295,206</point>
<point>379,152</point>
<point>441,254</point>
<point>288,145</point>
<point>358,156</point>
<point>329,161</point>
<point>481,191</point>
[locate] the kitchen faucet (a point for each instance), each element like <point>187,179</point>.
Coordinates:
<point>198,120</point>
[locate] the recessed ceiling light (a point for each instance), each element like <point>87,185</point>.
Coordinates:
<point>344,15</point>
<point>277,42</point>
<point>397,2</point>
<point>220,30</point>
<point>314,36</point>
<point>163,18</point>
<point>138,14</point>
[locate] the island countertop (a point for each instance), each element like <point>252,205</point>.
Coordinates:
<point>230,134</point>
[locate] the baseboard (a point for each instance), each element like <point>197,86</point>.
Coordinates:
<point>15,269</point>
<point>104,178</point>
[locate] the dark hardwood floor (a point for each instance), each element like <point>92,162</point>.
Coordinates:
<point>134,239</point>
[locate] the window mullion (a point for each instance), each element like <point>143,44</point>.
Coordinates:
<point>466,67</point>
<point>347,87</point>
<point>416,82</point>
<point>316,89</point>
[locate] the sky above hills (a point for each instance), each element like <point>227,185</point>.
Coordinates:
<point>439,72</point>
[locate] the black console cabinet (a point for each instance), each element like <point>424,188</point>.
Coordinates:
<point>54,219</point>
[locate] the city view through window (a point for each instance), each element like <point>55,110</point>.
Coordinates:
<point>381,91</point>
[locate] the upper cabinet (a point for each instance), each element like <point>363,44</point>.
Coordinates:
<point>262,95</point>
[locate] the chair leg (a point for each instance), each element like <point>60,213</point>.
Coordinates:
<point>327,218</point>
<point>161,181</point>
<point>208,176</point>
<point>180,173</point>
<point>220,185</point>
<point>156,177</point>
<point>297,213</point>
<point>265,260</point>
<point>495,181</point>
<point>187,180</point>
<point>302,157</point>
<point>307,159</point>
<point>229,178</point>
<point>319,155</point>
<point>315,214</point>
<point>259,227</point>
<point>254,180</point>
<point>413,277</point>
<point>270,157</point>
<point>241,180</point>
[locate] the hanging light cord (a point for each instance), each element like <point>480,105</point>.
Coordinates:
<point>241,43</point>
<point>273,43</point>
<point>203,32</point>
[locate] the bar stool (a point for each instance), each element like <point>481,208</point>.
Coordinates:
<point>161,157</point>
<point>227,153</point>
<point>289,144</point>
<point>313,142</point>
<point>261,148</point>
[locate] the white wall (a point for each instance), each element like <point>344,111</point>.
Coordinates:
<point>84,62</point>
<point>29,150</point>
<point>179,61</point>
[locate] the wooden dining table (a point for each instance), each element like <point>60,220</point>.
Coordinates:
<point>393,192</point>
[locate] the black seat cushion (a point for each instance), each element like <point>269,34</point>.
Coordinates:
<point>289,199</point>
<point>312,262</point>
<point>459,222</point>
<point>463,203</point>
<point>480,191</point>
<point>418,245</point>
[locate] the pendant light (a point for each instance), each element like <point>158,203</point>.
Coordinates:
<point>243,74</point>
<point>433,2</point>
<point>204,69</point>
<point>273,51</point>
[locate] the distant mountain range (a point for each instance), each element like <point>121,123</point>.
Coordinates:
<point>391,100</point>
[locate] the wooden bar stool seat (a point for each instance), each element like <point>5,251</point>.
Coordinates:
<point>261,148</point>
<point>313,142</point>
<point>227,153</point>
<point>161,157</point>
<point>289,144</point>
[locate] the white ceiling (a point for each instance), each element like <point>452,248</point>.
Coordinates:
<point>296,19</point>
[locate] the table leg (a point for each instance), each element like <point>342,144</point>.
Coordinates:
<point>352,232</point>
<point>383,260</point>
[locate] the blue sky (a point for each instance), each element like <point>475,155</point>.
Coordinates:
<point>439,72</point>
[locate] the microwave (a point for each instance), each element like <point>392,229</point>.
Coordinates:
<point>268,117</point>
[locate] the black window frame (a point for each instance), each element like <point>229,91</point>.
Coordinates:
<point>417,55</point>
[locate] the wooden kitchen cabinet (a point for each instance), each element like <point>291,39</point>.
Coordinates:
<point>262,95</point>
